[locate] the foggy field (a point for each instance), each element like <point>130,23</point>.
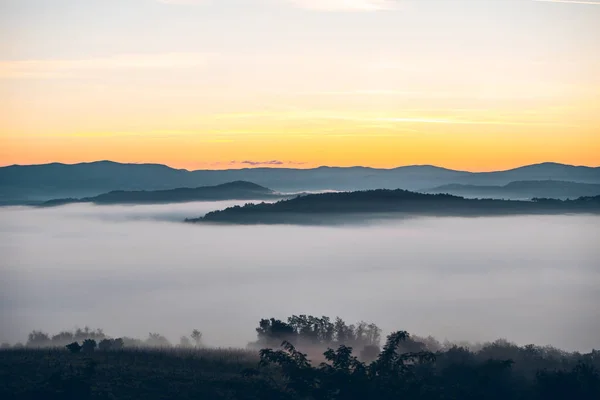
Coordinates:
<point>137,269</point>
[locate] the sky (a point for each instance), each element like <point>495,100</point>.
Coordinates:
<point>214,84</point>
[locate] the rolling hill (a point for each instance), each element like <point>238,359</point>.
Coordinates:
<point>352,207</point>
<point>238,190</point>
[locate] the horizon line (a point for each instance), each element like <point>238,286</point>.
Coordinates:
<point>296,168</point>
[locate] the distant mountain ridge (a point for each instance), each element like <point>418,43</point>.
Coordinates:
<point>239,190</point>
<point>47,181</point>
<point>522,190</point>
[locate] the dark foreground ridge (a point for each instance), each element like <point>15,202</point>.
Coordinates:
<point>303,358</point>
<point>361,205</point>
<point>238,190</point>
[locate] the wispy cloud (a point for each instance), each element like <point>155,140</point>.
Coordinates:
<point>491,92</point>
<point>318,5</point>
<point>386,92</point>
<point>182,2</point>
<point>254,163</point>
<point>346,5</point>
<point>265,163</point>
<point>595,3</point>
<point>373,119</point>
<point>60,68</point>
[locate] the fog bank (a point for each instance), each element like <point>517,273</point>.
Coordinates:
<point>136,269</point>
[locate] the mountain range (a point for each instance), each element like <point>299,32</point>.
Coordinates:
<point>522,190</point>
<point>27,183</point>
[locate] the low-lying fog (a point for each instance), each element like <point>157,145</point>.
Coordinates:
<point>137,269</point>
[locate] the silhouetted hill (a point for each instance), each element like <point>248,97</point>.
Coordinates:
<point>238,190</point>
<point>357,206</point>
<point>522,190</point>
<point>536,172</point>
<point>44,182</point>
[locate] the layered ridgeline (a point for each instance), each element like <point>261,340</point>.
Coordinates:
<point>522,190</point>
<point>28,183</point>
<point>362,205</point>
<point>229,191</point>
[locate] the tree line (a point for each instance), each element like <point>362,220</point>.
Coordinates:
<point>353,364</point>
<point>88,340</point>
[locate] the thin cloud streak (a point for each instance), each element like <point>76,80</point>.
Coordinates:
<point>269,162</point>
<point>346,5</point>
<point>254,163</point>
<point>318,5</point>
<point>379,119</point>
<point>592,3</point>
<point>489,94</point>
<point>59,68</point>
<point>182,2</point>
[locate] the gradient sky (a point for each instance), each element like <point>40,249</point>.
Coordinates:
<point>464,84</point>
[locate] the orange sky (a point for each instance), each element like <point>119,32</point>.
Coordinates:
<point>301,84</point>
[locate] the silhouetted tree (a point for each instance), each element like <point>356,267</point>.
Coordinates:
<point>373,335</point>
<point>430,343</point>
<point>132,342</point>
<point>312,329</point>
<point>74,347</point>
<point>316,333</point>
<point>157,340</point>
<point>273,331</point>
<point>117,344</point>
<point>197,337</point>
<point>88,346</point>
<point>343,332</point>
<point>295,367</point>
<point>343,376</point>
<point>582,382</point>
<point>105,345</point>
<point>63,337</point>
<point>38,339</point>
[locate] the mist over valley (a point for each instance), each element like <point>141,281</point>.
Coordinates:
<point>138,269</point>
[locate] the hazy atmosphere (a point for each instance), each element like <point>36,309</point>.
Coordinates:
<point>300,199</point>
<point>136,269</point>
